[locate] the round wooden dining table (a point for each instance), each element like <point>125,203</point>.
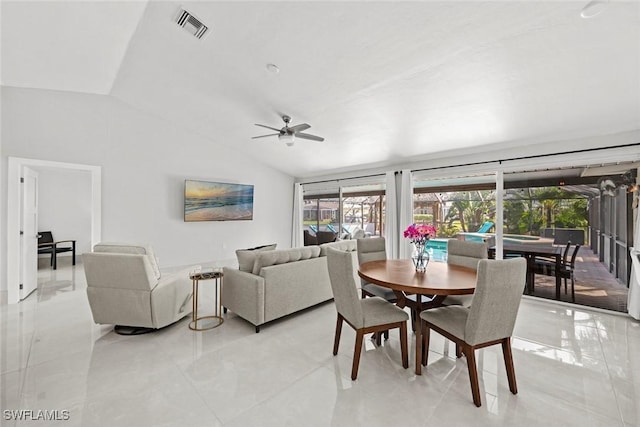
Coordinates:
<point>439,280</point>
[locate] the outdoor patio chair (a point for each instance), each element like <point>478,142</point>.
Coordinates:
<point>326,237</point>
<point>547,266</point>
<point>358,233</point>
<point>309,239</point>
<point>484,228</point>
<point>567,269</point>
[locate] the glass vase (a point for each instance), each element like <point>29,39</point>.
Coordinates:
<point>420,257</point>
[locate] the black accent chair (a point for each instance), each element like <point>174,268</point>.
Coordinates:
<point>46,245</point>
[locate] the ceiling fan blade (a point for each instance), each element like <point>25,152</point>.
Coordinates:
<point>308,136</point>
<point>300,127</point>
<point>264,136</point>
<point>268,127</point>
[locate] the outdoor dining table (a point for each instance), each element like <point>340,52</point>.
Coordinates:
<point>530,252</point>
<point>439,280</point>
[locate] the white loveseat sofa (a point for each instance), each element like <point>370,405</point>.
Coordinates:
<point>281,282</point>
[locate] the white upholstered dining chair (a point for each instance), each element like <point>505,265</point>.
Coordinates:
<point>490,319</point>
<point>465,254</point>
<point>373,249</point>
<point>369,315</point>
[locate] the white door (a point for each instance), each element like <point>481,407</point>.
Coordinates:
<point>29,241</point>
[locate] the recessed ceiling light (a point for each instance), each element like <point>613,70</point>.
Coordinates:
<point>593,8</point>
<point>273,68</point>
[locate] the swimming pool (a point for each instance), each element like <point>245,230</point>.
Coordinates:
<point>437,254</point>
<point>508,239</point>
<point>437,249</point>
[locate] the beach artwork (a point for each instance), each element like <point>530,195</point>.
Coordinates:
<point>216,201</point>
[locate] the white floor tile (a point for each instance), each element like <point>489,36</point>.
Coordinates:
<point>573,367</point>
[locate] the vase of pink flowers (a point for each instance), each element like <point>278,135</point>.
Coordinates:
<point>419,235</point>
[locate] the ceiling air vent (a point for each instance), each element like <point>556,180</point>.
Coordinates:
<point>190,23</point>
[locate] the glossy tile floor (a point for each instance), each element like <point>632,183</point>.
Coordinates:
<point>574,367</point>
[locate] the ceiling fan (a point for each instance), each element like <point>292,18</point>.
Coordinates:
<point>609,184</point>
<point>289,134</point>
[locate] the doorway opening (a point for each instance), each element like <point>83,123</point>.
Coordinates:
<point>16,168</point>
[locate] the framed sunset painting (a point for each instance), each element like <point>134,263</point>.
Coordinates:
<point>217,201</point>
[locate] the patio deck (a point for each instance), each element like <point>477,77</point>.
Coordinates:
<point>594,285</point>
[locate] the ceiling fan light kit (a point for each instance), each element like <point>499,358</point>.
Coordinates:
<point>289,134</point>
<point>288,138</point>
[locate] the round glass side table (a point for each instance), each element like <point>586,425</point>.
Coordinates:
<point>204,323</point>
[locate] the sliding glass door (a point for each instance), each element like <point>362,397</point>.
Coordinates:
<point>588,209</point>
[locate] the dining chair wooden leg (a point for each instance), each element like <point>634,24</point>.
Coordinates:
<point>508,363</point>
<point>415,319</point>
<point>386,335</point>
<point>473,373</point>
<point>573,289</point>
<point>378,337</point>
<point>403,344</point>
<point>356,354</point>
<point>458,351</point>
<point>336,341</point>
<point>426,335</point>
<point>419,349</point>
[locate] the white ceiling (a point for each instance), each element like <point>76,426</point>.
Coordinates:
<point>72,46</point>
<point>383,82</point>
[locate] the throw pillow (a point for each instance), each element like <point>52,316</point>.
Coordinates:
<point>247,257</point>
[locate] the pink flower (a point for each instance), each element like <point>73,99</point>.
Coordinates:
<point>420,232</point>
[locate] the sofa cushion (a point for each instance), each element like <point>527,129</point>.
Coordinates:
<point>130,248</point>
<point>247,257</point>
<point>283,256</point>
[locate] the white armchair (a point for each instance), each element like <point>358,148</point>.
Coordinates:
<point>125,288</point>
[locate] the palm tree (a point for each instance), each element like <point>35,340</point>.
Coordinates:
<point>471,211</point>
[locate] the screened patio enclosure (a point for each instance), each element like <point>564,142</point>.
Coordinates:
<point>551,207</point>
<point>588,205</point>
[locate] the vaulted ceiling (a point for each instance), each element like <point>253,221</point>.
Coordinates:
<point>382,82</point>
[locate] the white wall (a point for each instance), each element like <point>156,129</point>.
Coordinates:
<point>145,161</point>
<point>64,206</point>
<point>3,212</point>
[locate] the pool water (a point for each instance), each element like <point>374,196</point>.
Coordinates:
<point>439,255</point>
<point>507,238</point>
<point>437,249</point>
